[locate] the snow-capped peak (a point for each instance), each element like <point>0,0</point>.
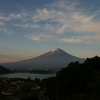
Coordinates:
<point>56,50</point>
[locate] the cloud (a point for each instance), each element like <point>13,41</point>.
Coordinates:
<point>95,37</point>
<point>2,24</point>
<point>70,40</point>
<point>27,25</point>
<point>39,37</point>
<point>73,19</point>
<point>63,18</point>
<point>6,31</point>
<point>60,18</point>
<point>62,29</point>
<point>4,18</point>
<point>43,14</point>
<point>15,16</point>
<point>67,5</point>
<point>8,17</point>
<point>49,28</point>
<point>85,23</point>
<point>34,37</point>
<point>81,39</point>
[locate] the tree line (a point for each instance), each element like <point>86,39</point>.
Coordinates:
<point>77,81</point>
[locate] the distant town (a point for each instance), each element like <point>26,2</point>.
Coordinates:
<point>35,71</point>
<point>22,89</point>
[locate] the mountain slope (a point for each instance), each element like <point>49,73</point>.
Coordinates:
<point>4,70</point>
<point>54,59</point>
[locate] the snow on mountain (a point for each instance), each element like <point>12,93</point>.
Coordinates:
<point>56,50</point>
<point>54,59</point>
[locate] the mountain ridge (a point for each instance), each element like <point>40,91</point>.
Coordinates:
<point>55,51</point>
<point>54,59</point>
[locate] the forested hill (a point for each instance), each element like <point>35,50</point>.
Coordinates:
<point>4,70</point>
<point>76,81</point>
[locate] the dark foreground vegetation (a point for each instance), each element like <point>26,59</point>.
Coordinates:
<point>78,81</point>
<point>4,70</point>
<point>21,89</point>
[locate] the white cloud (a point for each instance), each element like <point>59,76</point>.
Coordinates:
<point>34,37</point>
<point>75,39</point>
<point>3,18</point>
<point>67,18</point>
<point>85,23</point>
<point>67,14</point>
<point>95,37</point>
<point>70,40</point>
<point>9,17</point>
<point>49,28</point>
<point>64,4</point>
<point>62,29</point>
<point>60,18</point>
<point>81,39</point>
<point>43,14</point>
<point>39,37</point>
<point>6,31</point>
<point>15,16</point>
<point>28,25</point>
<point>75,20</point>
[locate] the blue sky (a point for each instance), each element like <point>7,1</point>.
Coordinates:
<point>29,28</point>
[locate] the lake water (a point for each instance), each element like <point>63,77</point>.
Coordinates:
<point>26,75</point>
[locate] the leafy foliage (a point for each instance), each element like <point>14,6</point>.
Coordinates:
<point>76,79</point>
<point>51,87</point>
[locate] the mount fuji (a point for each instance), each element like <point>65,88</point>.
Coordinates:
<point>54,59</point>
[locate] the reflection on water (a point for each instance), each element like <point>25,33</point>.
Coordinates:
<point>26,75</point>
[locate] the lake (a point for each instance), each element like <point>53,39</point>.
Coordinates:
<point>26,75</point>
